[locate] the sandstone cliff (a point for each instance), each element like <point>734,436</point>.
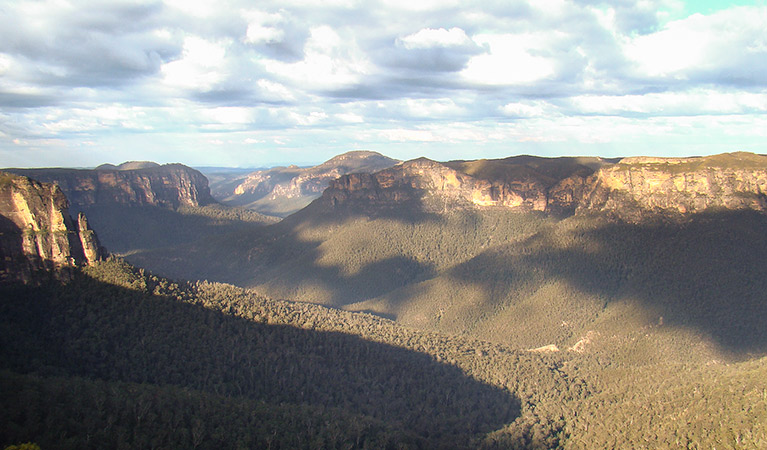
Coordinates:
<point>283,190</point>
<point>132,184</point>
<point>520,183</point>
<point>639,188</point>
<point>630,189</point>
<point>36,232</point>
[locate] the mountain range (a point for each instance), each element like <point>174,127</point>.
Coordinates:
<point>281,191</point>
<point>570,303</point>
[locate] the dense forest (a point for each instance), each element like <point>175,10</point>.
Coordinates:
<point>426,323</point>
<point>128,229</point>
<point>522,279</point>
<point>120,358</point>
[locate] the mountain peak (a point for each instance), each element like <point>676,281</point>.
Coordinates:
<point>129,165</point>
<point>283,190</point>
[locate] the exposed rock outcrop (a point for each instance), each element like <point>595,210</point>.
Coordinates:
<point>283,190</point>
<point>639,188</point>
<point>131,184</point>
<point>37,234</point>
<point>520,183</point>
<point>630,189</point>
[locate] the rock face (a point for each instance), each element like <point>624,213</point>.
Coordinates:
<point>131,184</point>
<point>283,190</point>
<point>630,189</point>
<point>520,183</point>
<point>640,188</point>
<point>36,232</point>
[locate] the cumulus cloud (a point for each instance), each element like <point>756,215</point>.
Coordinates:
<point>429,38</point>
<point>365,73</point>
<point>727,47</point>
<point>103,44</point>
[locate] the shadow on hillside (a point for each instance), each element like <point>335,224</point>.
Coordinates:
<point>93,329</point>
<point>11,252</point>
<point>413,208</point>
<point>707,274</point>
<point>280,262</point>
<point>277,257</point>
<point>125,229</point>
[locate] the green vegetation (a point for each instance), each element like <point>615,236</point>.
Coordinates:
<point>25,446</point>
<point>524,169</point>
<point>123,359</point>
<point>513,330</point>
<point>525,280</point>
<point>728,161</point>
<point>124,229</point>
<point>281,207</point>
<point>120,325</point>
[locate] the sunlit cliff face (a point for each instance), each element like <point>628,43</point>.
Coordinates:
<point>38,232</point>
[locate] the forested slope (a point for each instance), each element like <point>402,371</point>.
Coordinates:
<point>122,359</point>
<point>523,279</point>
<point>515,328</point>
<point>122,326</point>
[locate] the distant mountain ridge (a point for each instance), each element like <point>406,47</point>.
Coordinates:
<point>129,165</point>
<point>524,183</point>
<point>36,232</point>
<point>631,189</point>
<point>281,191</point>
<point>129,184</point>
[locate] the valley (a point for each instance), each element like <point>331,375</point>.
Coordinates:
<point>524,302</point>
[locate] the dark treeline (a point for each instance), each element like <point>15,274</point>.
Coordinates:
<point>119,358</point>
<point>119,325</point>
<point>124,229</point>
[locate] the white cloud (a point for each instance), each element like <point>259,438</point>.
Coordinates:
<point>197,8</point>
<point>421,5</point>
<point>724,41</point>
<point>5,63</point>
<point>228,115</point>
<point>326,75</point>
<point>512,59</point>
<point>350,118</point>
<point>263,27</point>
<point>691,102</point>
<point>408,135</point>
<point>330,62</point>
<point>199,67</point>
<point>275,91</point>
<point>535,108</point>
<point>429,37</point>
<point>432,109</point>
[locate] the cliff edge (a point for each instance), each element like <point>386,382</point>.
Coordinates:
<point>524,183</point>
<point>638,188</point>
<point>131,184</point>
<point>630,189</point>
<point>37,234</point>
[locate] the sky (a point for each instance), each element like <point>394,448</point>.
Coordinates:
<point>256,84</point>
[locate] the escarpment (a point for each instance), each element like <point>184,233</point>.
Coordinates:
<point>37,234</point>
<point>629,189</point>
<point>642,187</point>
<point>131,184</point>
<point>520,183</point>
